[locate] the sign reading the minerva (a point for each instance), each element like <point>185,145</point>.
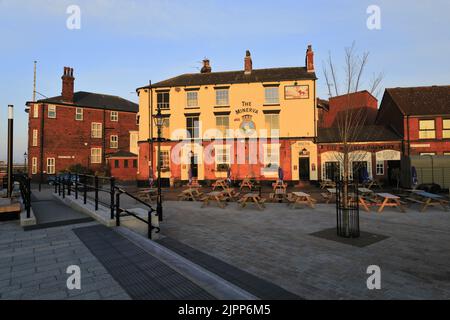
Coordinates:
<point>246,110</point>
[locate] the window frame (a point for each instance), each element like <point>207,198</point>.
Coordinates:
<point>221,127</point>
<point>51,168</point>
<point>163,104</point>
<point>427,130</point>
<point>34,165</point>
<point>269,126</point>
<point>379,168</point>
<point>35,111</point>
<point>218,99</point>
<point>96,130</point>
<point>96,156</point>
<point>188,93</point>
<point>165,160</point>
<point>77,114</point>
<point>114,116</point>
<point>266,97</point>
<point>193,127</point>
<point>269,155</point>
<point>445,130</point>
<point>51,109</point>
<point>114,144</point>
<point>35,138</point>
<point>116,163</point>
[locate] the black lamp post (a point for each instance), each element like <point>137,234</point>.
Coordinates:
<point>10,149</point>
<point>159,123</point>
<point>25,155</point>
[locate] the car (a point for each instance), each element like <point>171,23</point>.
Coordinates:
<point>51,180</point>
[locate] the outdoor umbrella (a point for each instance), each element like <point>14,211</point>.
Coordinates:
<point>229,175</point>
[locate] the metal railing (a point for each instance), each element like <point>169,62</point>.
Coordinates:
<point>81,184</point>
<point>25,190</point>
<point>347,209</point>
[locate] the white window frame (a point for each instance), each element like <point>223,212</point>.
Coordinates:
<point>225,152</point>
<point>51,112</point>
<point>51,166</point>
<point>271,95</point>
<point>165,160</point>
<point>219,126</point>
<point>272,157</point>
<point>79,114</point>
<point>446,128</point>
<point>269,123</point>
<point>222,97</point>
<point>427,133</point>
<point>96,158</point>
<point>192,102</point>
<point>35,111</point>
<point>96,130</point>
<point>34,142</point>
<point>34,165</point>
<point>114,116</point>
<point>114,141</point>
<point>134,139</point>
<point>379,168</point>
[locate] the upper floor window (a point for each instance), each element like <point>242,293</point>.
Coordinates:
<point>446,128</point>
<point>192,126</point>
<point>116,163</point>
<point>34,142</point>
<point>79,114</point>
<point>272,123</point>
<point>51,112</point>
<point>35,111</point>
<point>96,155</point>
<point>222,123</point>
<point>271,95</point>
<point>166,128</point>
<point>163,100</point>
<point>192,98</point>
<point>427,129</point>
<point>222,98</point>
<point>96,130</point>
<point>51,166</point>
<point>114,142</point>
<point>114,116</point>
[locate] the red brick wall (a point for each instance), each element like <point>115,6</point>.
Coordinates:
<point>438,145</point>
<point>67,137</point>
<point>122,173</point>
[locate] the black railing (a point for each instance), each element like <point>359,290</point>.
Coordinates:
<point>25,190</point>
<point>347,209</point>
<point>82,184</point>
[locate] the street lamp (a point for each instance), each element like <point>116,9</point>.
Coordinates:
<point>25,155</point>
<point>159,123</point>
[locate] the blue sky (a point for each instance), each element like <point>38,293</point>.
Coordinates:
<point>123,44</point>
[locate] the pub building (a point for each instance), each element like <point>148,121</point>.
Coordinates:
<point>250,122</point>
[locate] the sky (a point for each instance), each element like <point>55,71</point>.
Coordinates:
<point>121,45</point>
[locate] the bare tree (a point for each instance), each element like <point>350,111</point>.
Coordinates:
<point>350,121</point>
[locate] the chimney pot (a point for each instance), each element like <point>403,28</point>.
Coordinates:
<point>248,65</point>
<point>206,66</point>
<point>309,59</point>
<point>67,85</point>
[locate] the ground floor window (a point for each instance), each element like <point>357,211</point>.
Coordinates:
<point>96,155</point>
<point>116,163</point>
<point>34,165</point>
<point>50,165</point>
<point>165,160</point>
<point>332,170</point>
<point>359,170</point>
<point>380,168</point>
<point>222,157</point>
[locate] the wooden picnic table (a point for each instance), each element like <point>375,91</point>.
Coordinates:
<point>219,184</point>
<point>149,194</point>
<point>215,196</point>
<point>230,193</point>
<point>190,194</point>
<point>365,191</point>
<point>279,184</point>
<point>389,200</point>
<point>428,199</point>
<point>252,198</point>
<point>327,183</point>
<point>246,183</point>
<point>302,198</point>
<point>278,195</point>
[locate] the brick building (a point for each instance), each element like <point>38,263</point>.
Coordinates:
<point>421,116</point>
<point>78,128</point>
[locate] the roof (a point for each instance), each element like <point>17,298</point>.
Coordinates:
<point>230,77</point>
<point>122,154</point>
<point>369,133</point>
<point>434,100</point>
<point>95,100</point>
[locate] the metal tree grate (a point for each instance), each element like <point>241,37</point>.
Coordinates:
<point>347,210</point>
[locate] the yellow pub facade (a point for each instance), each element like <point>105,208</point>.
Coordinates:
<point>248,123</point>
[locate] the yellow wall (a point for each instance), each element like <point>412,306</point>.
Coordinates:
<point>296,115</point>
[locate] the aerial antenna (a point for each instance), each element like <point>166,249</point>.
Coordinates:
<point>34,82</point>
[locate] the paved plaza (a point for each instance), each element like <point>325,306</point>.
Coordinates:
<point>275,244</point>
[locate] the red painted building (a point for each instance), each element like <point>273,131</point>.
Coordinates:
<point>421,116</point>
<point>79,128</point>
<point>123,165</point>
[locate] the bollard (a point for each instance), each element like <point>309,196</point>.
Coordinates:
<point>63,188</point>
<point>112,190</point>
<point>76,186</point>
<point>84,190</point>
<point>28,195</point>
<point>56,184</point>
<point>96,192</point>
<point>118,209</point>
<point>69,184</point>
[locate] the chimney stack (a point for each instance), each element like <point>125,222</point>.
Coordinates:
<point>309,59</point>
<point>67,85</point>
<point>248,63</point>
<point>206,66</point>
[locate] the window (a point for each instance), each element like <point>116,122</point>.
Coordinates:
<point>34,165</point>
<point>446,153</point>
<point>96,130</point>
<point>134,163</point>
<point>137,119</point>
<point>35,111</point>
<point>332,170</point>
<point>446,128</point>
<point>380,168</point>
<point>163,100</point>
<point>134,137</point>
<point>271,95</point>
<point>192,126</point>
<point>165,160</point>
<point>116,163</point>
<point>222,97</point>
<point>271,156</point>
<point>114,142</point>
<point>50,165</point>
<point>79,114</point>
<point>35,138</point>
<point>427,129</point>
<point>166,128</point>
<point>223,123</point>
<point>125,163</point>
<point>222,157</point>
<point>114,116</point>
<point>192,98</point>
<point>51,112</point>
<point>272,122</point>
<point>96,155</point>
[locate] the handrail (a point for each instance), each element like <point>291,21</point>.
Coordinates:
<point>25,190</point>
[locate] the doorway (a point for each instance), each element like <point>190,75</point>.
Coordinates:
<point>194,166</point>
<point>303,166</point>
<point>393,172</point>
<point>359,169</point>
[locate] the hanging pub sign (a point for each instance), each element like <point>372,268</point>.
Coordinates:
<point>296,92</point>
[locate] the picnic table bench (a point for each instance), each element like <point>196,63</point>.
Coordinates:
<point>149,194</point>
<point>230,193</point>
<point>427,199</point>
<point>191,194</point>
<point>215,196</point>
<point>389,200</point>
<point>298,198</point>
<point>219,184</point>
<point>246,183</point>
<point>252,198</point>
<point>327,183</point>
